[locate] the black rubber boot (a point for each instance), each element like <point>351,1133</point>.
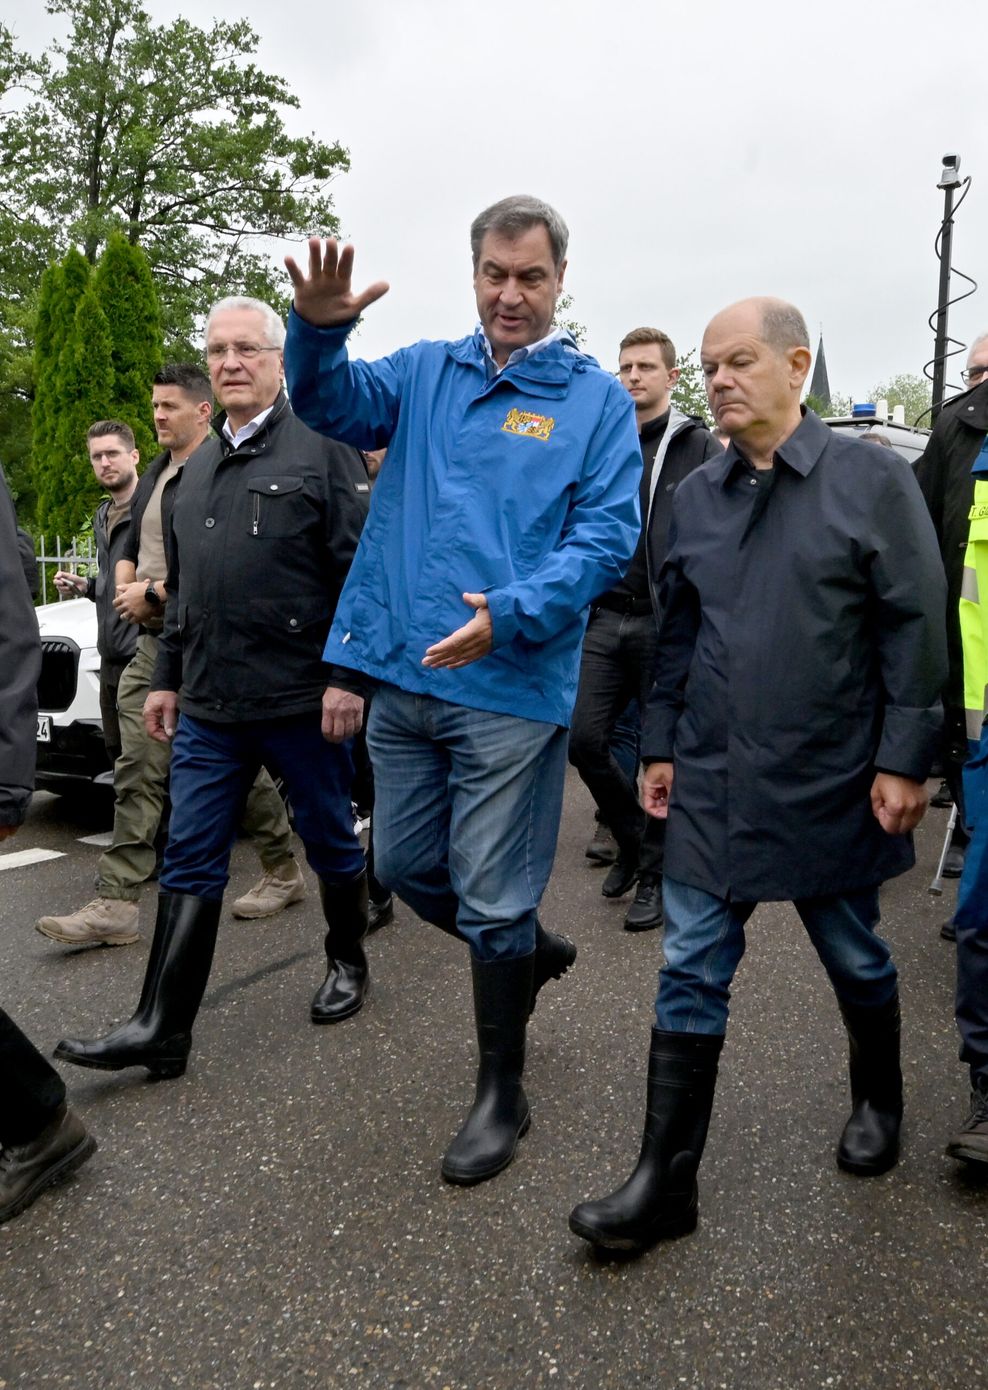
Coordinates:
<point>659,1200</point>
<point>347,981</point>
<point>870,1142</point>
<point>159,1036</point>
<point>554,954</point>
<point>499,1116</point>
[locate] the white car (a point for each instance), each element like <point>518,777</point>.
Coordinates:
<point>71,753</point>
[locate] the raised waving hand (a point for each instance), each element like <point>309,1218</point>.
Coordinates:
<point>325,296</point>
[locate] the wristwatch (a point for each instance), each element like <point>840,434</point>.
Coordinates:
<point>151,595</point>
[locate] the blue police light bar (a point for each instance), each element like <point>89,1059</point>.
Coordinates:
<point>863,408</point>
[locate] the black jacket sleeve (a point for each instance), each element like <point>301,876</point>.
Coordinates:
<point>678,628</point>
<point>20,666</point>
<point>167,673</point>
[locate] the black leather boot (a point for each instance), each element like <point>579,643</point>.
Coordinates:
<point>499,1116</point>
<point>347,980</point>
<point>659,1200</point>
<point>159,1036</point>
<point>870,1142</point>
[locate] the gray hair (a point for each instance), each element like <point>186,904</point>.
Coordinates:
<point>981,338</point>
<point>783,326</point>
<point>274,329</point>
<point>512,216</point>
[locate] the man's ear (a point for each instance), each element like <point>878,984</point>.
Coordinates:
<point>673,375</point>
<point>799,364</point>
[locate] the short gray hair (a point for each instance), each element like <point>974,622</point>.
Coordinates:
<point>981,338</point>
<point>274,329</point>
<point>783,326</point>
<point>512,216</point>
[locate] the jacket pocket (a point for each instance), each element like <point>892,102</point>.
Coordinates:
<point>277,506</point>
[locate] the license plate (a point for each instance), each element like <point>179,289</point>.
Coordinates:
<point>44,728</point>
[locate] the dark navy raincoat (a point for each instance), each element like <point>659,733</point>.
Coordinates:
<point>802,649</point>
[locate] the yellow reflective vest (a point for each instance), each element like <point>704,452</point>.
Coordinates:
<point>974,615</point>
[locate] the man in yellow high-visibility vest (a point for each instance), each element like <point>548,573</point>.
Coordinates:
<point>971,918</point>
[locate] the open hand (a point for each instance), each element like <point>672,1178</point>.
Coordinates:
<point>467,643</point>
<point>325,296</point>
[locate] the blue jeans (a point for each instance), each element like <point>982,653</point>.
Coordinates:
<point>466,815</point>
<point>704,942</point>
<point>971,918</point>
<point>212,769</point>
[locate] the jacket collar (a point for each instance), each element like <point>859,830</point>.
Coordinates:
<point>799,452</point>
<point>551,367</point>
<point>277,411</point>
<point>971,407</point>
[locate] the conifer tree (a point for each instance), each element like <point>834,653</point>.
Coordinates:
<point>129,300</point>
<point>62,289</point>
<point>85,372</point>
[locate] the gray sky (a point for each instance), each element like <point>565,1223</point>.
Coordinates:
<point>699,153</point>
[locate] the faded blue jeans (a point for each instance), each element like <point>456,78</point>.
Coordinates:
<point>704,942</point>
<point>466,815</point>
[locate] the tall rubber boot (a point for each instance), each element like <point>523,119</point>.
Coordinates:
<point>159,1035</point>
<point>347,980</point>
<point>499,1116</point>
<point>870,1142</point>
<point>659,1200</point>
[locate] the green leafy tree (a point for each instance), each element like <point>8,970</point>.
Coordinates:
<point>128,299</point>
<point>85,379</point>
<point>560,319</point>
<point>913,392</point>
<point>690,394</point>
<point>172,133</point>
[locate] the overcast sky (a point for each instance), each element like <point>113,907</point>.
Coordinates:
<point>699,153</point>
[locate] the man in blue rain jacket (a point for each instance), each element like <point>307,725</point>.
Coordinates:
<point>506,503</point>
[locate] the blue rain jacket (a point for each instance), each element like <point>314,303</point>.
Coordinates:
<point>522,486</point>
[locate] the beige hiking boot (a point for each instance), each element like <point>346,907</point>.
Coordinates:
<point>278,887</point>
<point>104,921</point>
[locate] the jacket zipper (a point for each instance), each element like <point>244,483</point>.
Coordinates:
<point>257,511</point>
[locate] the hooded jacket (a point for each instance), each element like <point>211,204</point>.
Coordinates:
<point>521,485</point>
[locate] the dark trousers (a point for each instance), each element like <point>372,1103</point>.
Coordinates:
<point>212,768</point>
<point>30,1089</point>
<point>618,665</point>
<point>109,678</point>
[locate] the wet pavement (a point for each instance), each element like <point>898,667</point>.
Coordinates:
<point>276,1218</point>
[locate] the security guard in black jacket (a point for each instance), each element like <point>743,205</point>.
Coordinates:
<point>263,531</point>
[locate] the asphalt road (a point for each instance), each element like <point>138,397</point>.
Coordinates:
<point>277,1219</point>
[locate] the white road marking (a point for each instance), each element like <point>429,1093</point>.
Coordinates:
<point>22,857</point>
<point>103,839</point>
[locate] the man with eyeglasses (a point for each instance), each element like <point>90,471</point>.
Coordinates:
<point>262,533</point>
<point>181,401</point>
<point>114,459</point>
<point>944,473</point>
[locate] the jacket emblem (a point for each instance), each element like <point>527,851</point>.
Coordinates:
<point>524,422</point>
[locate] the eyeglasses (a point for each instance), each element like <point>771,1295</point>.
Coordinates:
<point>246,352</point>
<point>972,374</point>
